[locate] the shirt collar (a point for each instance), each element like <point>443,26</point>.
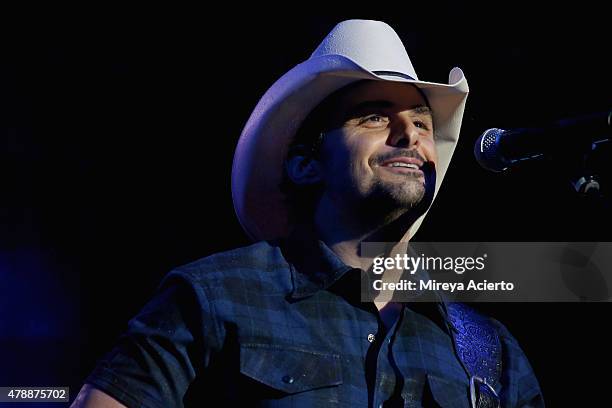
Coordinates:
<point>314,266</point>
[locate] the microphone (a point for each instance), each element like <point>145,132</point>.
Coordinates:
<point>498,149</point>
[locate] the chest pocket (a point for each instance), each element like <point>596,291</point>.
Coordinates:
<point>290,369</point>
<point>447,393</point>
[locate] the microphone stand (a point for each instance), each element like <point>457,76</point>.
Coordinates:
<point>585,180</point>
<point>579,163</point>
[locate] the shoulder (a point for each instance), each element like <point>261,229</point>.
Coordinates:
<point>519,385</point>
<point>514,356</point>
<point>518,375</point>
<point>262,262</point>
<point>259,256</point>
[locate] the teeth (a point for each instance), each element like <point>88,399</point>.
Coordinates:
<point>402,164</point>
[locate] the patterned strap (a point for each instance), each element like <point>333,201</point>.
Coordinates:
<point>478,347</point>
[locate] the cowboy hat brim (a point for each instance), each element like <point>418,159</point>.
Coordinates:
<point>257,168</point>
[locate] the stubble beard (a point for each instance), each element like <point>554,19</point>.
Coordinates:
<point>399,195</point>
<point>387,200</point>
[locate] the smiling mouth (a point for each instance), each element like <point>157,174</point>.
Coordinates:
<point>412,170</point>
<point>402,165</point>
<point>408,162</point>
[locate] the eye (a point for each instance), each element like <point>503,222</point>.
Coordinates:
<point>420,124</point>
<point>373,120</point>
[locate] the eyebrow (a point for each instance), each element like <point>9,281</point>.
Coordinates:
<point>422,110</point>
<point>383,104</point>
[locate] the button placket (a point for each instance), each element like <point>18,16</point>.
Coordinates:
<point>383,353</point>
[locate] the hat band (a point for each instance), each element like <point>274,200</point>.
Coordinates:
<point>393,73</point>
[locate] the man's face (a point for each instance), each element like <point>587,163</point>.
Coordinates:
<point>381,150</point>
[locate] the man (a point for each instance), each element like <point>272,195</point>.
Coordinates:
<point>345,148</point>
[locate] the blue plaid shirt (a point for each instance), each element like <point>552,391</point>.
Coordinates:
<point>280,324</point>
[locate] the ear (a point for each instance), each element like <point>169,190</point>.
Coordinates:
<point>303,169</point>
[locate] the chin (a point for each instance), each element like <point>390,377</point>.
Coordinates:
<point>394,197</point>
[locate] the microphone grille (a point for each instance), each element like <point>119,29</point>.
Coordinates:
<point>486,150</point>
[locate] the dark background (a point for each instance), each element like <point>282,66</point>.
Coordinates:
<point>117,131</point>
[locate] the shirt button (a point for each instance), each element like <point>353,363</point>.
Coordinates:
<point>288,379</point>
<point>371,338</point>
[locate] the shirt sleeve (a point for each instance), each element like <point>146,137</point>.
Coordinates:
<point>520,385</point>
<point>165,346</point>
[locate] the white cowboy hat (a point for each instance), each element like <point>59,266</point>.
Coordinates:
<point>354,50</point>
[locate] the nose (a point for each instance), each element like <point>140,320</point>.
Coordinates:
<point>404,134</point>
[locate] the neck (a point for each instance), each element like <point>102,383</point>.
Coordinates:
<point>344,228</point>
